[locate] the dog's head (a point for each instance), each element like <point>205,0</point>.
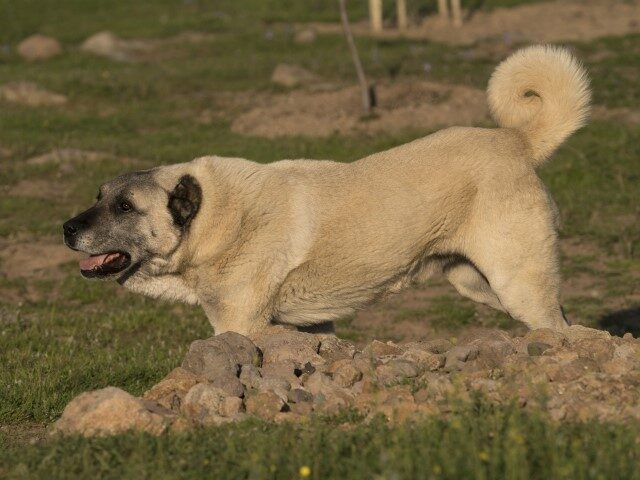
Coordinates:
<point>135,225</point>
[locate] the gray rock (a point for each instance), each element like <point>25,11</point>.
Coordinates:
<point>333,348</point>
<point>250,376</point>
<point>230,384</point>
<point>298,347</point>
<point>285,369</point>
<point>220,356</point>
<point>203,403</point>
<point>395,371</point>
<point>298,395</point>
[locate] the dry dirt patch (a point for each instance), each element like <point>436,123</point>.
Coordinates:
<point>29,258</point>
<point>402,105</point>
<point>538,22</point>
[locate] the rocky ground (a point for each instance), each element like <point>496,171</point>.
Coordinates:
<point>286,375</point>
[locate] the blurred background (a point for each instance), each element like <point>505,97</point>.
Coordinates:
<point>90,89</point>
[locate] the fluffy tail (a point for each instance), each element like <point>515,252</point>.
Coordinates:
<point>542,91</point>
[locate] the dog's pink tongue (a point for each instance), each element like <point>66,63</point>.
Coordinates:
<point>92,261</point>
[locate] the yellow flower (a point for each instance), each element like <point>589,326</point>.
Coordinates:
<point>484,456</point>
<point>304,471</point>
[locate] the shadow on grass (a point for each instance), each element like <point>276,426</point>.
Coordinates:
<point>621,322</point>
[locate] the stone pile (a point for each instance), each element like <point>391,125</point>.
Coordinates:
<point>281,375</point>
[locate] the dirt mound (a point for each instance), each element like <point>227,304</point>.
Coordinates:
<point>578,373</point>
<point>537,22</point>
<point>109,45</point>
<point>30,94</point>
<point>402,105</point>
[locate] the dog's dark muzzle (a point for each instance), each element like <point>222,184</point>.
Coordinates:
<point>72,228</point>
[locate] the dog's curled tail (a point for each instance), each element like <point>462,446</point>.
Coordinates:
<point>543,91</point>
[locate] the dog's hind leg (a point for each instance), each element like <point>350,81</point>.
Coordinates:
<point>471,283</point>
<point>521,267</point>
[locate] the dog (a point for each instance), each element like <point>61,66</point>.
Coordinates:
<point>305,242</point>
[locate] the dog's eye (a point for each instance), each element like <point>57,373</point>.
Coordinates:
<point>125,207</point>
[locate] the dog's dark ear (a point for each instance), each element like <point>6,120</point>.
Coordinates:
<point>184,201</point>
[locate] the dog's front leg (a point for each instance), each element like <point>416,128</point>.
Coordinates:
<point>243,311</point>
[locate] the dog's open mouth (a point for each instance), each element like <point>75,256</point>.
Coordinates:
<point>104,265</point>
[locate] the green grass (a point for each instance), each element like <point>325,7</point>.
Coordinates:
<point>475,442</point>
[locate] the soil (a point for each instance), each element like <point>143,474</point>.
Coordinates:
<point>562,20</point>
<point>401,105</point>
<point>29,258</point>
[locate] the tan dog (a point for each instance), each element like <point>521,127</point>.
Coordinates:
<point>304,242</point>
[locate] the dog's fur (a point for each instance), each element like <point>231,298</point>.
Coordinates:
<point>304,242</point>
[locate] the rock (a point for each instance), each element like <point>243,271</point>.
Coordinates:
<point>204,403</point>
<point>301,408</point>
<point>579,332</point>
<point>290,76</point>
<point>305,36</point>
<point>333,348</point>
<point>297,347</point>
<point>567,372</point>
<point>220,356</point>
<point>345,373</point>
<point>39,47</point>
<point>277,385</point>
<point>380,349</point>
<point>327,394</point>
<point>231,406</point>
<point>298,395</point>
<point>170,391</point>
<point>107,44</point>
<point>599,349</point>
<point>250,376</point>
<point>109,411</point>
<point>460,354</point>
<point>553,338</point>
<point>28,93</point>
<point>265,405</point>
<point>535,349</point>
<point>230,384</point>
<point>285,369</point>
<point>424,359</point>
<point>395,371</point>
<point>433,346</point>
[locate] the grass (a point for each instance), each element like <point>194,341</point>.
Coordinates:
<point>474,442</point>
<point>65,335</point>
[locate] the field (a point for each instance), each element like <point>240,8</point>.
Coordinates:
<point>178,95</point>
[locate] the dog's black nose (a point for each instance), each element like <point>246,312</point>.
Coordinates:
<point>70,228</point>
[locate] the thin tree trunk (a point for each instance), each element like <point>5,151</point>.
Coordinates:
<point>364,85</point>
<point>443,9</point>
<point>401,7</point>
<point>456,13</point>
<point>375,15</point>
